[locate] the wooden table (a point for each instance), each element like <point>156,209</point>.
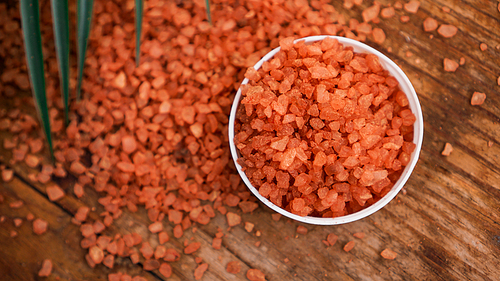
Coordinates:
<point>445,225</point>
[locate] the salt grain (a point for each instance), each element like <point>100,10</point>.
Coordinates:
<point>448,149</point>
<point>478,98</point>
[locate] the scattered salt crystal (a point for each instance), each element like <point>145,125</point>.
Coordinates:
<point>448,148</point>
<point>412,6</point>
<point>39,226</point>
<point>233,267</point>
<point>54,192</point>
<point>255,275</point>
<point>332,239</point>
<point>301,230</point>
<point>483,47</point>
<point>249,226</point>
<point>388,254</point>
<point>46,269</point>
<point>387,12</point>
<point>430,24</point>
<point>447,30</point>
<point>233,219</point>
<point>478,98</point>
<point>404,19</point>
<point>450,65</point>
<point>359,235</point>
<point>349,246</point>
<point>7,175</point>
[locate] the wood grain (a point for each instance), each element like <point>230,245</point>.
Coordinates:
<point>21,257</point>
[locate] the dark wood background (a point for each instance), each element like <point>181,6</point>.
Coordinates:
<point>445,225</point>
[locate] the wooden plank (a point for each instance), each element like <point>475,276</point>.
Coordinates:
<point>22,256</point>
<point>135,222</point>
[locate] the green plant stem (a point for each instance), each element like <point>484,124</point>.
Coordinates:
<point>30,18</point>
<point>209,16</point>
<point>85,8</point>
<point>139,8</point>
<point>61,35</point>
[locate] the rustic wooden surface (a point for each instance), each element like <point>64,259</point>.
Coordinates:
<point>444,226</point>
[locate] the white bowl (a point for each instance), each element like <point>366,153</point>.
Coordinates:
<point>405,86</point>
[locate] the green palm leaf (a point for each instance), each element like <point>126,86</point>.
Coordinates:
<point>30,18</point>
<point>61,34</point>
<point>85,8</point>
<point>209,16</point>
<point>139,8</point>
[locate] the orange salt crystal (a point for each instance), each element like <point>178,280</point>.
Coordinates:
<point>31,160</point>
<point>255,275</point>
<point>146,250</point>
<point>388,254</point>
<point>404,19</point>
<point>16,204</point>
<point>448,149</point>
<point>78,190</point>
<point>54,192</point>
<point>286,44</point>
<point>248,206</point>
<point>301,230</point>
<point>378,35</point>
<point>77,168</point>
<point>126,167</point>
<point>349,246</point>
<point>18,222</point>
<point>447,30</point>
<point>81,213</point>
<point>483,47</point>
<point>171,255</point>
<point>387,12</point>
<point>216,243</point>
<point>478,98</point>
<point>163,237</point>
<point>430,24</point>
<point>450,65</point>
<point>192,247</point>
<point>445,9</point>
<point>96,254</point>
<point>178,232</point>
<point>359,235</point>
<point>109,261</point>
<point>165,270</point>
<point>29,216</point>
<point>7,175</point>
<point>120,81</point>
<point>129,144</point>
<point>371,13</point>
<point>232,200</point>
<point>233,267</point>
<point>462,61</point>
<point>200,270</point>
<point>498,81</point>
<point>175,216</point>
<point>150,265</point>
<point>332,239</point>
<point>155,227</point>
<point>412,6</point>
<point>249,226</point>
<point>233,219</point>
<point>46,269</point>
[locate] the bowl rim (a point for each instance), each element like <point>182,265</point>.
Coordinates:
<point>414,104</point>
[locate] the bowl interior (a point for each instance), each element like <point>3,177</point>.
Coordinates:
<point>405,86</point>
